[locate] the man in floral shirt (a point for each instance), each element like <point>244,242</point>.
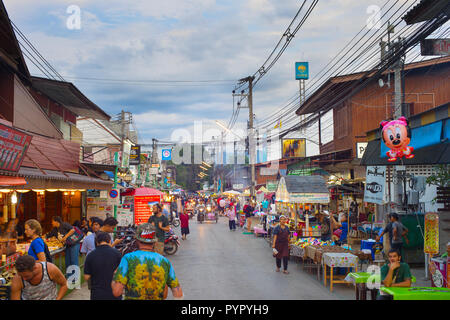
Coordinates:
<point>145,274</point>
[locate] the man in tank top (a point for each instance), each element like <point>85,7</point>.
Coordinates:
<point>37,280</point>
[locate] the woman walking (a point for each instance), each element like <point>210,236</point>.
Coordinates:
<point>281,244</point>
<point>231,214</point>
<point>184,219</point>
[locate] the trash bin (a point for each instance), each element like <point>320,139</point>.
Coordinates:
<point>368,244</point>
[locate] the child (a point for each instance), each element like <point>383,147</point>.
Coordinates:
<point>184,219</point>
<point>231,214</point>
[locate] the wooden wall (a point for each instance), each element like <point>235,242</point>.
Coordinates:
<point>425,89</point>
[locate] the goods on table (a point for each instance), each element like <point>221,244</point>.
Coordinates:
<point>8,276</point>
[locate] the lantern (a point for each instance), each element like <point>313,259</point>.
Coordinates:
<point>396,135</point>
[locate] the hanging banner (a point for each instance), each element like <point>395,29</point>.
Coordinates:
<point>13,146</point>
<point>135,155</point>
<point>294,148</point>
<point>375,184</point>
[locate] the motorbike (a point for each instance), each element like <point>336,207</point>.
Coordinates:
<point>130,244</point>
<point>200,213</point>
<point>173,220</point>
<point>171,243</point>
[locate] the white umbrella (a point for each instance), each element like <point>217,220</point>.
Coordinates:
<point>232,192</point>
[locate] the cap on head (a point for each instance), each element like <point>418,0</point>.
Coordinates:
<point>146,233</point>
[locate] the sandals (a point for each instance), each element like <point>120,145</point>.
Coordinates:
<point>278,270</point>
<point>285,272</point>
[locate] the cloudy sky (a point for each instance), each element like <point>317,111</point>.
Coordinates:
<point>185,40</point>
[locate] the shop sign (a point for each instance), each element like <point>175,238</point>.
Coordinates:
<point>309,198</point>
<point>435,47</point>
<point>360,149</point>
<point>135,155</point>
<point>238,186</point>
<point>301,70</point>
<point>153,170</point>
<point>375,184</point>
<point>272,186</point>
<point>142,209</point>
<point>166,154</point>
<point>268,171</point>
<point>126,154</point>
<point>293,148</point>
<point>13,146</point>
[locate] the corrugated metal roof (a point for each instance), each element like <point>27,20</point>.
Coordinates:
<point>56,175</point>
<point>68,95</point>
<point>426,10</point>
<point>306,184</point>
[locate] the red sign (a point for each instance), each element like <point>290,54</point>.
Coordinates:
<point>13,146</point>
<point>142,209</point>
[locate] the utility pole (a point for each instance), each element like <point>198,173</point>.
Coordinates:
<point>122,133</point>
<point>252,138</point>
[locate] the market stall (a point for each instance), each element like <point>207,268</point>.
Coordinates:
<point>299,197</point>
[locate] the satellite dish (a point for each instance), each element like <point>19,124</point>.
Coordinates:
<point>380,82</point>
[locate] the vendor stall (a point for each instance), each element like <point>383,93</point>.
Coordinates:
<point>300,196</point>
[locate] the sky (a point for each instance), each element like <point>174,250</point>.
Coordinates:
<point>187,40</point>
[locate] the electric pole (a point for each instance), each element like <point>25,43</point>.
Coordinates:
<point>252,138</point>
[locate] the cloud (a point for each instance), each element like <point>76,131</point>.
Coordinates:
<point>184,40</point>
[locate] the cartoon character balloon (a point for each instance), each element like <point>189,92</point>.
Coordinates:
<point>396,135</point>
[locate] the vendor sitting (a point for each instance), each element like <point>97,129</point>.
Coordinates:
<point>394,274</point>
<point>341,229</point>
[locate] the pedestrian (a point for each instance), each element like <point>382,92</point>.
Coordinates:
<point>179,206</point>
<point>108,226</point>
<point>89,241</point>
<point>397,231</point>
<point>38,249</point>
<point>231,214</point>
<point>85,226</point>
<point>184,219</point>
<point>281,237</point>
<point>162,226</point>
<point>145,274</point>
<point>248,210</point>
<point>70,236</point>
<point>99,267</point>
<point>37,280</point>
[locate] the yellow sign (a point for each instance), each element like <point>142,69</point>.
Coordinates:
<point>294,148</point>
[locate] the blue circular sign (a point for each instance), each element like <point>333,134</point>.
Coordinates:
<point>113,194</point>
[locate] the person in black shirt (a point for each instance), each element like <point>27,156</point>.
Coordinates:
<point>99,267</point>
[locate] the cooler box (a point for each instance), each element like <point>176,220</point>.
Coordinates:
<point>366,244</point>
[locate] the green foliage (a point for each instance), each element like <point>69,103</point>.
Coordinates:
<point>442,176</point>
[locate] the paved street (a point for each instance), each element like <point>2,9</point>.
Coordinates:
<point>217,264</point>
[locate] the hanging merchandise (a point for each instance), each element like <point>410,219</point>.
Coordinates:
<point>396,136</point>
<point>431,236</point>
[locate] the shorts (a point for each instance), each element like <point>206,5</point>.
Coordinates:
<point>159,247</point>
<point>185,230</point>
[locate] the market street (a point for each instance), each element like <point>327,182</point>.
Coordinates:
<point>217,264</point>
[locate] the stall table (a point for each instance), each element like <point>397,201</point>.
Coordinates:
<point>359,280</point>
<point>418,293</point>
<point>337,259</point>
<point>297,251</point>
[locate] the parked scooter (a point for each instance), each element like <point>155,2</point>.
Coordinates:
<point>171,243</point>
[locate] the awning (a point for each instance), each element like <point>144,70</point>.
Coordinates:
<point>12,181</point>
<point>57,180</point>
<point>431,155</point>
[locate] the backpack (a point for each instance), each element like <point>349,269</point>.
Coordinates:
<point>76,237</point>
<point>48,256</point>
